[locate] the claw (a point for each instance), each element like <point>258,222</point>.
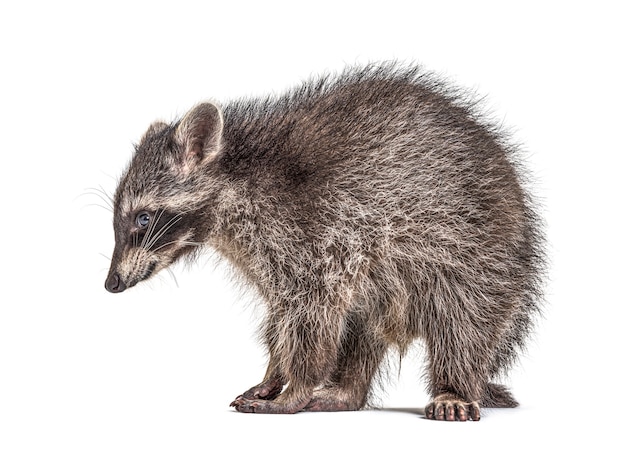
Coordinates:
<point>236,401</point>
<point>450,409</point>
<point>243,405</point>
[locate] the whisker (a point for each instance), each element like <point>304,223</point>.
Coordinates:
<point>171,272</point>
<point>147,238</point>
<point>102,194</point>
<point>190,243</point>
<point>166,227</point>
<point>148,232</point>
<point>163,246</point>
<point>182,242</point>
<point>93,204</point>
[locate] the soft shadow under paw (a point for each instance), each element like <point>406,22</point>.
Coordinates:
<point>407,410</point>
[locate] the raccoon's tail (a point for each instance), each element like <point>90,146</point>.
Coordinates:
<point>497,396</point>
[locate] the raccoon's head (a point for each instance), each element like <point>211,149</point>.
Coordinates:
<point>160,203</point>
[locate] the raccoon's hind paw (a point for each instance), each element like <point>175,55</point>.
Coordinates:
<point>333,399</point>
<point>447,407</point>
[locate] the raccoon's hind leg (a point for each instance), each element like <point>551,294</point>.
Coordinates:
<point>459,365</point>
<point>497,396</point>
<point>360,355</point>
<point>468,345</point>
<point>459,376</point>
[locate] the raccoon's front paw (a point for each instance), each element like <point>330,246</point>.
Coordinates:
<point>447,407</point>
<point>244,405</point>
<point>268,390</point>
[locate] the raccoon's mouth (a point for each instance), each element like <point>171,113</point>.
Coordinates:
<point>146,273</point>
<point>143,276</point>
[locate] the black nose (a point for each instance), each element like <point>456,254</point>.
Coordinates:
<point>114,283</point>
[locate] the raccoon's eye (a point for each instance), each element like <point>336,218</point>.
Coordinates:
<point>142,219</point>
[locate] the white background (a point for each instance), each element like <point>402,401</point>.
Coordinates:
<point>155,368</point>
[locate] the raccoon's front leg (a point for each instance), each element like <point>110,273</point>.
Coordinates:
<point>273,382</point>
<point>268,389</point>
<point>306,347</point>
<point>289,402</point>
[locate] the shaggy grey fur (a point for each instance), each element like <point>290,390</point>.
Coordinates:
<point>367,209</point>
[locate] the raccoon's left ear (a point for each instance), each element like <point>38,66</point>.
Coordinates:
<point>199,135</point>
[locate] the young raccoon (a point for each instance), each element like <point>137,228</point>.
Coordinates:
<point>367,209</point>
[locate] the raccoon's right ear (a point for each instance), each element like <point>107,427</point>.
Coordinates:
<point>154,129</point>
<point>199,135</point>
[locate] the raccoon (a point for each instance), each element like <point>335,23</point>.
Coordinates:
<point>367,209</point>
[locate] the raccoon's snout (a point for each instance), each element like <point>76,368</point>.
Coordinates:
<point>114,283</point>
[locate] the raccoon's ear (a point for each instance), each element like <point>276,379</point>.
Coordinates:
<point>199,134</point>
<point>154,129</point>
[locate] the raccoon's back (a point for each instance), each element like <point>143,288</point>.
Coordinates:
<point>389,140</point>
